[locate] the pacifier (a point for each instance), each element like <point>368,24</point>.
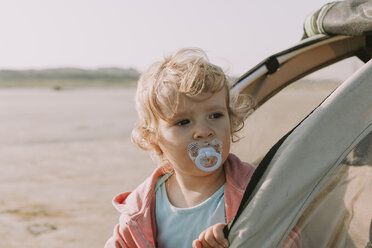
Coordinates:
<point>208,157</point>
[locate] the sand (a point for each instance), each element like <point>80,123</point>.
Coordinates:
<point>65,154</point>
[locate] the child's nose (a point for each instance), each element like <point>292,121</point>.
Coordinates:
<point>203,131</point>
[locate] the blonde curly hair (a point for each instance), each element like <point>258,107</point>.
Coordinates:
<point>189,72</point>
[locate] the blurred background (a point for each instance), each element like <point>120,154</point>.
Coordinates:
<point>68,73</point>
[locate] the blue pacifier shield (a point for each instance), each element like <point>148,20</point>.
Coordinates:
<point>207,158</point>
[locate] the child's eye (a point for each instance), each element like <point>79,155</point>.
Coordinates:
<point>182,122</point>
<point>216,115</point>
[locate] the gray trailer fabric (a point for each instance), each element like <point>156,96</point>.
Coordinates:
<point>349,17</point>
<point>305,162</point>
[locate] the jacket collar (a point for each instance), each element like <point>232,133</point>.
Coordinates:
<point>138,207</point>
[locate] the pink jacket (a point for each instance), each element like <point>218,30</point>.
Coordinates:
<point>137,226</point>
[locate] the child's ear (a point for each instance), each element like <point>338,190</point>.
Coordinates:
<point>154,142</point>
<point>157,149</point>
<point>158,157</point>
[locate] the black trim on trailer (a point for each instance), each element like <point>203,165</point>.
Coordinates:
<point>363,55</point>
<point>272,64</point>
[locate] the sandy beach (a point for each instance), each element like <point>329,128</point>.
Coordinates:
<point>65,154</point>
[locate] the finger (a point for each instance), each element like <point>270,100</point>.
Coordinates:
<point>211,239</point>
<point>219,235</point>
<point>205,244</point>
<point>197,244</point>
<point>202,239</point>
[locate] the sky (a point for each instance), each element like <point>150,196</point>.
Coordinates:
<point>236,34</point>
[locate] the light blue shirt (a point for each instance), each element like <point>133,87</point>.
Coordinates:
<point>178,227</point>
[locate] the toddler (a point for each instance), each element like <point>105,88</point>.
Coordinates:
<point>186,121</point>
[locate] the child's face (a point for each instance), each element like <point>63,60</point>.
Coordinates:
<point>197,119</point>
